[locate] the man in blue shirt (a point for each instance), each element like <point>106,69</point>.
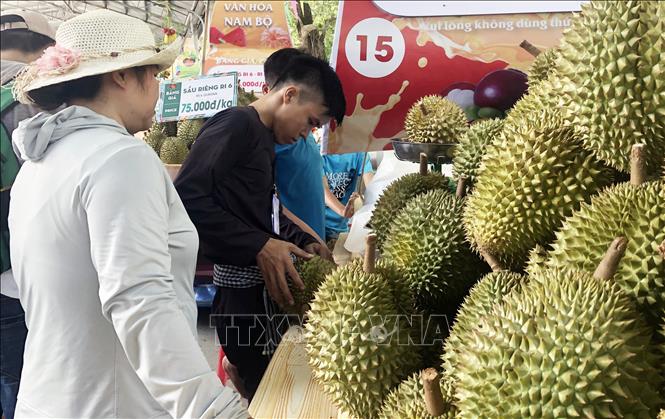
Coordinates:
<point>298,166</point>
<point>340,174</point>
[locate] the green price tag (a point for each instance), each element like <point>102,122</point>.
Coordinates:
<point>172,93</point>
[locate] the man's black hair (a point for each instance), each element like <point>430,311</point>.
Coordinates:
<point>23,40</point>
<point>277,62</point>
<point>317,76</point>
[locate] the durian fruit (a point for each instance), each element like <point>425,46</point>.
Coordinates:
<point>245,97</point>
<point>359,342</point>
<point>611,72</point>
<point>636,212</point>
<point>173,151</point>
<point>189,129</point>
<point>396,196</point>
<point>433,119</point>
<point>567,345</point>
<point>427,244</point>
<point>489,291</point>
<point>312,273</point>
<point>407,402</point>
<point>529,181</point>
<point>472,146</point>
<point>543,66</point>
<point>155,137</point>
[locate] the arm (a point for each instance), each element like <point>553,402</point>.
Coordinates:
<point>301,224</point>
<point>129,249</point>
<point>333,203</point>
<point>219,149</point>
<point>318,247</point>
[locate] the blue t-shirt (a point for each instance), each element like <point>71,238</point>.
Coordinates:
<point>298,169</point>
<point>342,172</point>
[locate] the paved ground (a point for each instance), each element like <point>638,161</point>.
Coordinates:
<point>208,338</point>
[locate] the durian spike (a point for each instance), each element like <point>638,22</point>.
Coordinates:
<point>436,406</point>
<point>638,172</point>
<point>608,266</point>
<point>530,48</point>
<point>423,164</point>
<point>461,187</point>
<point>370,253</point>
<point>491,260</point>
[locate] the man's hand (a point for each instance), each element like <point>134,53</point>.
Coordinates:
<point>349,208</point>
<point>274,260</point>
<point>319,249</point>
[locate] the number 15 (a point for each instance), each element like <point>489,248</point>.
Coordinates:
<point>382,45</point>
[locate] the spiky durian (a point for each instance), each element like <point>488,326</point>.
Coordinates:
<point>611,72</point>
<point>427,243</point>
<point>358,341</point>
<point>155,137</point>
<point>472,146</point>
<point>407,402</point>
<point>528,182</point>
<point>396,196</point>
<point>635,212</point>
<point>173,151</point>
<point>543,66</point>
<point>189,129</point>
<point>489,291</point>
<point>312,273</point>
<point>434,119</point>
<point>567,345</point>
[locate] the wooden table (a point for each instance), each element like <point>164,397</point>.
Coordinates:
<point>288,389</point>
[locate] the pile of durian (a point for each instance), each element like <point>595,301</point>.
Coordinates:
<point>173,147</point>
<point>547,264</point>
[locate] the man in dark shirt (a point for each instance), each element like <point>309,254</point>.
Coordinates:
<point>227,186</point>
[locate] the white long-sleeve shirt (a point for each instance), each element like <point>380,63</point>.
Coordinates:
<point>104,257</point>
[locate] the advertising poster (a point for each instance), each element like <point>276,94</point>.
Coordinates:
<point>389,60</point>
<point>242,35</point>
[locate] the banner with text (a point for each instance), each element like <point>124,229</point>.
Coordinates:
<point>386,62</point>
<point>200,97</point>
<point>242,35</point>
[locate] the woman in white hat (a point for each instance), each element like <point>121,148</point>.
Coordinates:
<point>102,249</point>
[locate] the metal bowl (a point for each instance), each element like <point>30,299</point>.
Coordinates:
<point>436,153</point>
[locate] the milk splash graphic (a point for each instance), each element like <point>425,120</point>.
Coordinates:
<point>361,125</point>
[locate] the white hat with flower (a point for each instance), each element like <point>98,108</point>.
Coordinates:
<point>92,43</point>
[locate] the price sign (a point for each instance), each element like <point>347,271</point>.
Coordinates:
<point>375,47</point>
<point>201,97</point>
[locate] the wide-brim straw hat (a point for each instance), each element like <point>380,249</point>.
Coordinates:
<point>93,43</point>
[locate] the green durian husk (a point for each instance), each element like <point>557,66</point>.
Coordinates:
<point>359,342</point>
<point>611,74</point>
<point>472,147</point>
<point>407,401</point>
<point>396,196</point>
<point>312,273</point>
<point>534,176</point>
<point>434,119</point>
<point>173,151</point>
<point>189,129</point>
<point>155,137</point>
<point>543,66</point>
<point>634,212</point>
<point>428,245</point>
<point>567,345</point>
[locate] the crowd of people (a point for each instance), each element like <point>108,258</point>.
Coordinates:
<point>97,312</point>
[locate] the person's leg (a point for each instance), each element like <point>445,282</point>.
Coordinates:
<point>240,315</point>
<point>12,344</point>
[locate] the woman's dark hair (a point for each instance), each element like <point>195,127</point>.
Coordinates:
<point>23,40</point>
<point>51,97</point>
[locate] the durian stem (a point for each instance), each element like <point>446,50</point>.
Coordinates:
<point>436,406</point>
<point>608,266</point>
<point>423,109</point>
<point>370,253</point>
<point>530,48</point>
<point>492,261</point>
<point>461,187</point>
<point>423,164</point>
<point>638,170</point>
